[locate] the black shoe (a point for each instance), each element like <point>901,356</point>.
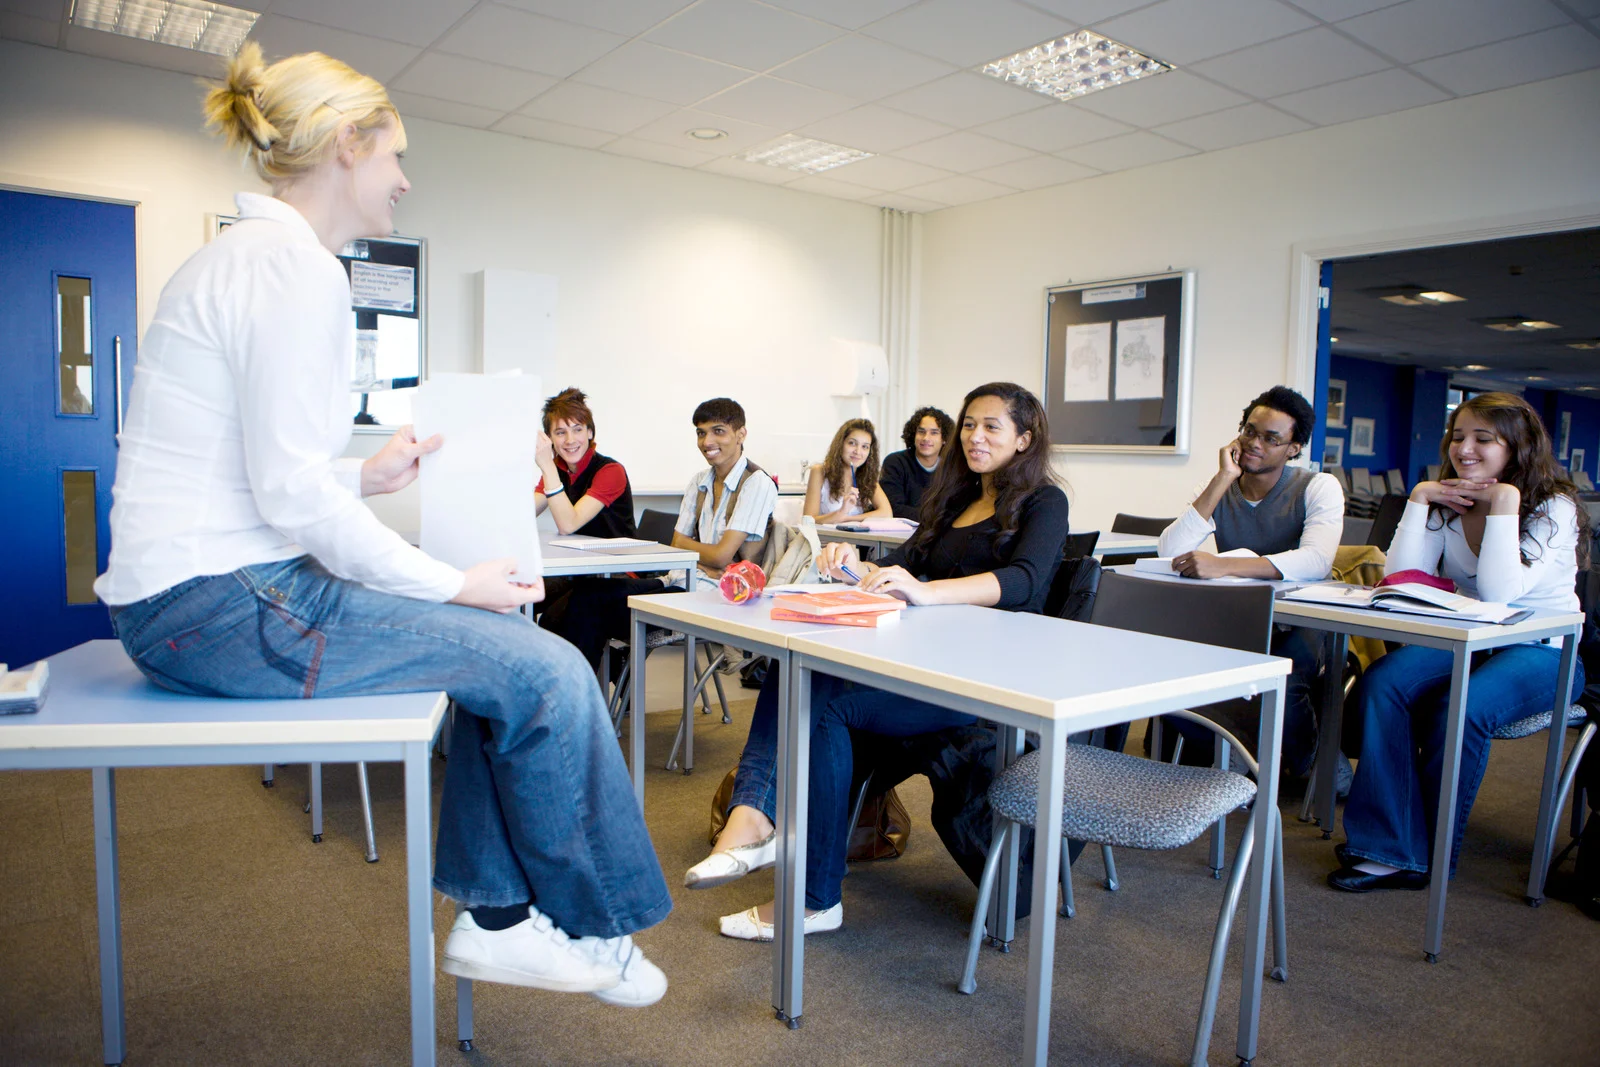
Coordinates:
<point>1344,858</point>
<point>1353,881</point>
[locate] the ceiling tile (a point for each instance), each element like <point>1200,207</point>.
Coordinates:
<point>470,81</point>
<point>902,202</point>
<point>862,68</point>
<point>1548,54</point>
<point>821,183</point>
<point>1287,65</point>
<point>1130,150</point>
<point>1185,31</point>
<point>1359,98</point>
<point>1088,11</point>
<point>426,107</point>
<point>18,27</point>
<point>1421,29</point>
<point>1167,97</point>
<point>875,129</point>
<point>659,73</point>
<point>965,152</point>
<point>577,104</point>
<point>1037,172</point>
<point>968,34</point>
<point>672,129</point>
<point>656,153</point>
<point>1050,129</point>
<point>755,172</point>
<point>627,17</point>
<point>889,173</point>
<point>556,132</point>
<point>521,39</point>
<point>742,33</point>
<point>851,14</point>
<point>965,99</point>
<point>1235,126</point>
<point>39,9</point>
<point>1334,10</point>
<point>418,22</point>
<point>280,36</point>
<point>959,190</point>
<point>774,102</point>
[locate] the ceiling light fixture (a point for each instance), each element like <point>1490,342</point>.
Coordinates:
<point>1075,65</point>
<point>804,154</point>
<point>706,133</point>
<point>1537,324</point>
<point>1439,296</point>
<point>1474,367</point>
<point>193,24</point>
<point>1585,346</point>
<point>1517,324</point>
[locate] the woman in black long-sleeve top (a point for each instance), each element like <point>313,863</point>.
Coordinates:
<point>992,529</point>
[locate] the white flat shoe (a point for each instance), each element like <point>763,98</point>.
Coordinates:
<point>720,868</point>
<point>747,925</point>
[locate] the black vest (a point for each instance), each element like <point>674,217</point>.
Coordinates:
<point>616,518</point>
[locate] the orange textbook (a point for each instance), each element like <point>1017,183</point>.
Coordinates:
<point>837,602</point>
<point>857,618</point>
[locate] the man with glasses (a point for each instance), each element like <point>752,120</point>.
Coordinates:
<point>1290,517</point>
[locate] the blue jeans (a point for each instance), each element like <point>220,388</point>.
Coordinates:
<point>837,707</point>
<point>537,801</point>
<point>1394,801</point>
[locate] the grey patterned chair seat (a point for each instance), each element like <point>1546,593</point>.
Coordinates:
<point>1115,799</point>
<point>1576,716</point>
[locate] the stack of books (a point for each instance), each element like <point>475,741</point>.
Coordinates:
<point>22,692</point>
<point>838,607</point>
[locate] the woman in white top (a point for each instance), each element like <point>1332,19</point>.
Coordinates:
<point>835,490</point>
<point>244,564</point>
<point>1502,523</point>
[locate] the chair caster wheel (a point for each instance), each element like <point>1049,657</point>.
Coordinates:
<point>1432,957</point>
<point>1279,974</point>
<point>316,839</point>
<point>465,1046</point>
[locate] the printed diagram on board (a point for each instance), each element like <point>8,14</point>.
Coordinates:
<point>1141,358</point>
<point>1087,375</point>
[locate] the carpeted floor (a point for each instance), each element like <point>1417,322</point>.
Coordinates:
<point>247,944</point>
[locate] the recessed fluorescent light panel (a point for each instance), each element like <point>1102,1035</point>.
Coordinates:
<point>804,154</point>
<point>1440,297</point>
<point>215,28</point>
<point>1585,346</point>
<point>1075,65</point>
<point>1513,324</point>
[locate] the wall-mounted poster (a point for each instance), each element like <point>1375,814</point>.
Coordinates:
<point>1566,433</point>
<point>1336,391</point>
<point>1362,434</point>
<point>1088,371</point>
<point>1577,461</point>
<point>1332,452</point>
<point>1118,364</point>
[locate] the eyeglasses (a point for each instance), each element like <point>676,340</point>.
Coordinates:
<point>1271,440</point>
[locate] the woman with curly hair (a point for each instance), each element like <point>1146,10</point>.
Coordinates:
<point>836,490</point>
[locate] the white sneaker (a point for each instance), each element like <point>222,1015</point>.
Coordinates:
<point>747,925</point>
<point>720,868</point>
<point>535,952</point>
<point>643,983</point>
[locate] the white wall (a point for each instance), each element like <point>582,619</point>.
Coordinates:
<point>1233,216</point>
<point>675,286</point>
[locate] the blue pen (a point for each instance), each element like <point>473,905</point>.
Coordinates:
<point>850,574</point>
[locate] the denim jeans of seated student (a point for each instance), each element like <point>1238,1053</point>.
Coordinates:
<point>537,804</point>
<point>1394,800</point>
<point>837,707</point>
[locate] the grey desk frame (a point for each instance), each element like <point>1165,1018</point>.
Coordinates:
<point>559,562</point>
<point>1461,640</point>
<point>101,744</point>
<point>969,659</point>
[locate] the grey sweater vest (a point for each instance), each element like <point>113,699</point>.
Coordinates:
<point>1274,524</point>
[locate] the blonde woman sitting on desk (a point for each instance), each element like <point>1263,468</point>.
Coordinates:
<point>848,476</point>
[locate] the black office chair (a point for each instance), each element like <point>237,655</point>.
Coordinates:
<point>657,526</point>
<point>1390,510</point>
<point>1134,524</point>
<point>1079,545</point>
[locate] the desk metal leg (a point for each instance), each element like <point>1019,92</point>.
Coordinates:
<point>1449,786</point>
<point>1046,869</point>
<point>688,702</point>
<point>419,901</point>
<point>1002,918</point>
<point>636,657</point>
<point>1266,826</point>
<point>113,1028</point>
<point>1544,835</point>
<point>794,768</point>
<point>1330,734</point>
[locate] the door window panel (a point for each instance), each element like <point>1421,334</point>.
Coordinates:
<point>74,346</point>
<point>80,534</point>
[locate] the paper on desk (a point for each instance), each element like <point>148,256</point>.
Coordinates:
<point>599,544</point>
<point>477,491</point>
<point>1163,564</point>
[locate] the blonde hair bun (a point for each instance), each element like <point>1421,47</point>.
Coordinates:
<point>287,116</point>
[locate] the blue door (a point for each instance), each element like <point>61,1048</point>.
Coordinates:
<point>68,318</point>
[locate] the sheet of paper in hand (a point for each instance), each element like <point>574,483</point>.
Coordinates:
<point>477,491</point>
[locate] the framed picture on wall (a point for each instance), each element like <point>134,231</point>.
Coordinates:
<point>1575,464</point>
<point>1332,452</point>
<point>1335,403</point>
<point>1362,433</point>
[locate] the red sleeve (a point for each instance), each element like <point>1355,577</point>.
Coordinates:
<point>608,484</point>
<point>540,487</point>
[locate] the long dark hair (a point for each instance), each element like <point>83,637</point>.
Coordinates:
<point>836,472</point>
<point>1531,465</point>
<point>955,485</point>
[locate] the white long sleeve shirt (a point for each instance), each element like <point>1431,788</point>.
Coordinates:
<point>239,410</point>
<point>1496,573</point>
<point>1310,561</point>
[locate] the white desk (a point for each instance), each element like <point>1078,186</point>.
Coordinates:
<point>567,562</point>
<point>1026,672</point>
<point>102,714</point>
<point>1115,544</point>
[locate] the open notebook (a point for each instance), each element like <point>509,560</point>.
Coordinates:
<point>1410,598</point>
<point>1163,565</point>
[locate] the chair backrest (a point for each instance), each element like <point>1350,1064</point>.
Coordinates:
<point>1073,590</point>
<point>657,526</point>
<point>1229,616</point>
<point>1339,476</point>
<point>1360,480</point>
<point>1079,545</point>
<point>1378,483</point>
<point>1390,510</point>
<point>1433,471</point>
<point>1138,524</point>
<point>1397,481</point>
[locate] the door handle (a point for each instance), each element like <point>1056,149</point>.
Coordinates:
<point>116,371</point>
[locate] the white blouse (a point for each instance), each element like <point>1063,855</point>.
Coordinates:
<point>1496,573</point>
<point>239,411</point>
